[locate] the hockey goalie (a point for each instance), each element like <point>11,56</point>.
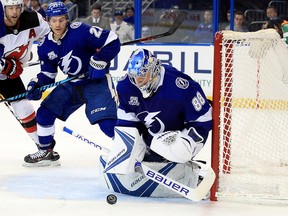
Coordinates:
<point>164,119</point>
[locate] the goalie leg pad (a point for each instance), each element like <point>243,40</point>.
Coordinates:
<point>128,148</point>
<point>136,184</point>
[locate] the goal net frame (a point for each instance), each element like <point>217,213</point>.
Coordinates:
<point>226,44</point>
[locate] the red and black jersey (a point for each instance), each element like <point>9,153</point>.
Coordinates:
<point>19,39</point>
<point>18,43</point>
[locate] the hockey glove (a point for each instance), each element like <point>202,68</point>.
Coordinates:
<point>97,69</point>
<point>11,68</point>
<point>33,92</point>
<point>175,146</point>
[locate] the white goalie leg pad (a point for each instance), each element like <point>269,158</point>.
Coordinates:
<point>136,184</point>
<point>175,146</point>
<point>128,147</point>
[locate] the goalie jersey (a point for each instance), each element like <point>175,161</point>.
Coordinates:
<point>178,103</point>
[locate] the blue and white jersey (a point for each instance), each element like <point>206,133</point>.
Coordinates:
<point>73,51</point>
<point>178,103</point>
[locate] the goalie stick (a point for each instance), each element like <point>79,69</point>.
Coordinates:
<point>178,21</point>
<point>194,194</point>
<point>84,139</point>
<point>176,24</point>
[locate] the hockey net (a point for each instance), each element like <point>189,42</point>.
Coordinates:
<point>250,117</point>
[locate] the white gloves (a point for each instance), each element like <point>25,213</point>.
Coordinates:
<point>175,146</point>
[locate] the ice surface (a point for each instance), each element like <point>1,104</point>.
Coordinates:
<point>73,188</point>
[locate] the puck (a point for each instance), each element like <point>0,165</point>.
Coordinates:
<point>111,199</point>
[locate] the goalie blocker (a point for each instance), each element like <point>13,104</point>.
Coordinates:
<point>117,170</point>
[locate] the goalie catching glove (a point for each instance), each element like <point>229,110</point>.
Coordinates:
<point>97,69</point>
<point>33,92</point>
<point>175,146</point>
<point>10,68</point>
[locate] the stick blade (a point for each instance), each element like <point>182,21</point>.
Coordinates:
<point>201,191</point>
<point>194,194</point>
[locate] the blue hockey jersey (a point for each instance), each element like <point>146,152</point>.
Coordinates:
<point>178,103</point>
<point>73,51</point>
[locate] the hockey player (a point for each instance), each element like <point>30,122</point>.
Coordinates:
<point>163,117</point>
<point>2,28</point>
<point>75,48</point>
<point>22,29</point>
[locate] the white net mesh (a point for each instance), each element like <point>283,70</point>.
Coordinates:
<point>253,117</point>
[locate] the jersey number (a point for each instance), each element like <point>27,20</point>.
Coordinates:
<point>96,31</point>
<point>198,101</point>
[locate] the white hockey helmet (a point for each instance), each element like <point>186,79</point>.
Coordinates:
<point>143,64</point>
<point>13,2</point>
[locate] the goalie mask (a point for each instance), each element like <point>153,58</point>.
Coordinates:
<point>12,3</point>
<point>144,71</point>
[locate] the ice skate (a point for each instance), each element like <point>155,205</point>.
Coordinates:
<point>42,158</point>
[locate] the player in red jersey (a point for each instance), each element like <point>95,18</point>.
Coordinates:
<point>23,28</point>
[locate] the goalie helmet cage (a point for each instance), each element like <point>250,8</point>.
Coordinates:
<point>250,117</point>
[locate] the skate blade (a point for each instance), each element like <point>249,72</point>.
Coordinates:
<point>45,163</point>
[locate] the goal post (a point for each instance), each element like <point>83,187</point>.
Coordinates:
<point>250,116</point>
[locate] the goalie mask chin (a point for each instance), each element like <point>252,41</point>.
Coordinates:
<point>144,71</point>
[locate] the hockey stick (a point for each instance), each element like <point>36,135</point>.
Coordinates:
<point>8,105</point>
<point>42,88</point>
<point>10,109</point>
<point>85,139</point>
<point>176,24</point>
<point>194,194</point>
<point>30,64</point>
